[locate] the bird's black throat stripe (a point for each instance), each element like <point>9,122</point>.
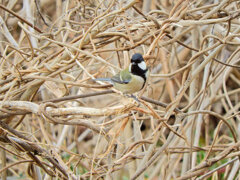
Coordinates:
<point>138,71</point>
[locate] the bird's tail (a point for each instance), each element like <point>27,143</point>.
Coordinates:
<point>104,79</point>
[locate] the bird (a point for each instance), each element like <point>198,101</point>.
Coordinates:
<point>133,78</point>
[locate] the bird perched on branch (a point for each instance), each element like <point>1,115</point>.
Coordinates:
<point>131,79</point>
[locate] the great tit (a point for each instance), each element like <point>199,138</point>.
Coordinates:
<point>131,79</point>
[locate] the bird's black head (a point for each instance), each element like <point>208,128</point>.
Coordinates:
<point>138,66</point>
<point>137,58</point>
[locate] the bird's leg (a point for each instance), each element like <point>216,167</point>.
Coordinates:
<point>128,95</point>
<point>133,97</point>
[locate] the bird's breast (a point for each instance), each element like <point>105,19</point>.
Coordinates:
<point>136,84</point>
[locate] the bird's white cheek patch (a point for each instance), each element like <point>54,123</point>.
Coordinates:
<point>142,65</point>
